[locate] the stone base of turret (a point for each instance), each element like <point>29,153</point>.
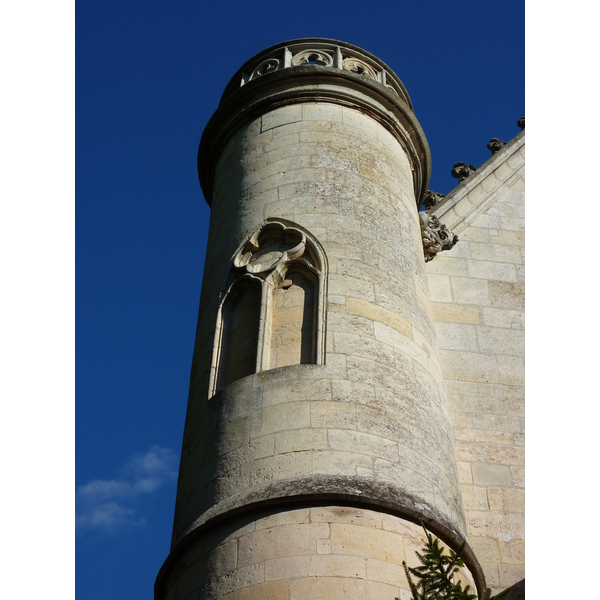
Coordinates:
<point>312,553</point>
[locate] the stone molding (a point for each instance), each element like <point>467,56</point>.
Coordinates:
<point>353,78</point>
<point>468,200</point>
<point>328,491</point>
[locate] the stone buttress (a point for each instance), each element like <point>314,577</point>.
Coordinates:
<point>317,433</point>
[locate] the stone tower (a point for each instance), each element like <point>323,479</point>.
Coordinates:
<point>318,431</point>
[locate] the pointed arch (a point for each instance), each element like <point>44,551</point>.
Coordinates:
<point>273,312</point>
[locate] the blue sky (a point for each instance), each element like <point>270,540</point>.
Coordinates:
<point>148,77</point>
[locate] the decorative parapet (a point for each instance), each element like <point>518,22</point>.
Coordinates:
<point>435,236</point>
<point>315,70</point>
<point>495,145</point>
<point>462,170</point>
<point>320,53</point>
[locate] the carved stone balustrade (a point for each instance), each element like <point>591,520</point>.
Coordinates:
<point>317,52</point>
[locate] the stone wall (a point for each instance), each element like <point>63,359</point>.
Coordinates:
<point>477,293</point>
<point>375,411</point>
<point>321,553</point>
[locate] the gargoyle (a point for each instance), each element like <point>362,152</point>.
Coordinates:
<point>436,237</point>
<point>462,170</point>
<point>495,145</point>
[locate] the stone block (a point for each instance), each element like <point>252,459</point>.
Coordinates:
<point>507,295</point>
<point>356,441</point>
<point>324,565</point>
<point>467,290</point>
<point>512,370</point>
<point>278,542</point>
<point>281,466</point>
<point>513,552</point>
<point>439,287</point>
<point>456,336</point>
<point>475,234</point>
<point>365,542</point>
<point>271,419</point>
<point>402,343</point>
<point>474,497</point>
<point>238,579</point>
<point>338,415</point>
<point>507,455</point>
<point>511,574</point>
<point>485,548</point>
<point>464,472</point>
<point>336,587</point>
<point>345,390</point>
<point>447,265</point>
<point>483,269</point>
<point>287,568</point>
<point>263,446</point>
<point>356,119</point>
<point>298,516</point>
<point>469,366</point>
<point>513,526</point>
<point>491,474</point>
<point>494,340</point>
<point>506,500</point>
<point>377,313</point>
<point>281,141</point>
<point>324,546</point>
<point>322,112</point>
<point>300,439</point>
<point>512,224</point>
<point>463,396</point>
<point>501,317</point>
<point>483,523</point>
<point>281,116</point>
<point>336,462</point>
<point>468,452</point>
<point>492,578</point>
<point>518,475</point>
<point>457,313</point>
<point>386,572</point>
<point>509,424</point>
<point>273,590</point>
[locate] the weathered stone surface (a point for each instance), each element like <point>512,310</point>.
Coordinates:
<point>377,380</point>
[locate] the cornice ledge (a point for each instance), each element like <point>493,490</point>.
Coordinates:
<point>458,221</point>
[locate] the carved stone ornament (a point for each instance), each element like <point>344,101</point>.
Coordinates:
<point>521,123</point>
<point>495,145</point>
<point>358,66</point>
<point>270,250</point>
<point>313,57</point>
<point>435,236</point>
<point>267,66</point>
<point>430,199</point>
<point>462,170</point>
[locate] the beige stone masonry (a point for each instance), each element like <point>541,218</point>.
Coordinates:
<point>492,182</point>
<point>477,294</point>
<point>326,552</point>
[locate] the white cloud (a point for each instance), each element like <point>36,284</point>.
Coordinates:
<point>109,505</point>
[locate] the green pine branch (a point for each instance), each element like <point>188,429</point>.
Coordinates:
<point>434,577</point>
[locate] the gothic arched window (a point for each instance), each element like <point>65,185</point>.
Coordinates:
<point>273,312</point>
